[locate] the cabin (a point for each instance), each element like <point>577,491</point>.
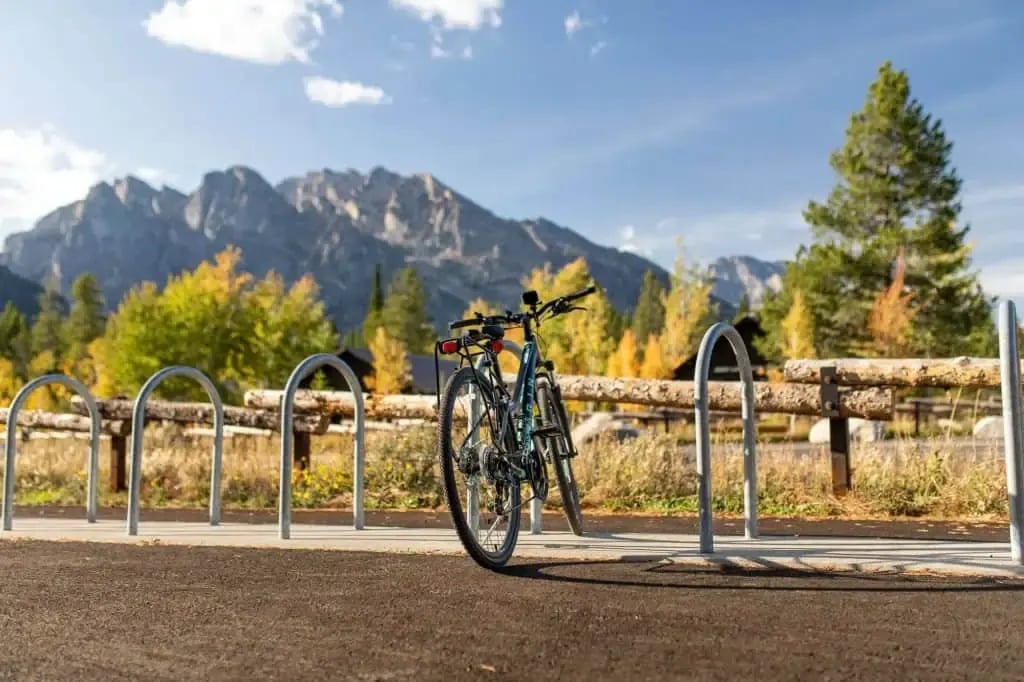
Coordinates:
<point>361,361</point>
<point>723,361</point>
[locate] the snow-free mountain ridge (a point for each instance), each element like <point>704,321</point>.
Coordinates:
<point>336,226</point>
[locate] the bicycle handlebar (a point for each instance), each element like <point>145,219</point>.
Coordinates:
<point>516,318</point>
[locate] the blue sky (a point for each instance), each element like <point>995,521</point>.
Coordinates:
<point>631,121</point>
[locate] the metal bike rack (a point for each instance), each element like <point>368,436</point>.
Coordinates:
<point>1013,424</point>
<point>305,368</point>
<point>11,445</point>
<point>138,427</point>
<point>707,345</point>
<point>473,494</point>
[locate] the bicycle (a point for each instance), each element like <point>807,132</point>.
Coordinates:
<point>521,443</point>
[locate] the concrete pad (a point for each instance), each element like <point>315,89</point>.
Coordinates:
<point>794,553</point>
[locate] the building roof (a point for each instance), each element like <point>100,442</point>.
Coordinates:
<point>723,360</point>
<point>422,371</point>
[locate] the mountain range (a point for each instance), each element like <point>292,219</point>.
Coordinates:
<point>334,225</point>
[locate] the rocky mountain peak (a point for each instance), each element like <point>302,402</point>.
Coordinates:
<point>335,225</point>
<point>236,199</point>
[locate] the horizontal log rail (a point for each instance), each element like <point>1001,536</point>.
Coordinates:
<point>73,423</point>
<point>202,413</point>
<point>867,403</point>
<point>962,372</point>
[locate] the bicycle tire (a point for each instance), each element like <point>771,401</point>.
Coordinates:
<point>553,413</point>
<point>468,536</point>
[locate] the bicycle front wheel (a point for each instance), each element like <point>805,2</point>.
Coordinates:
<point>483,496</point>
<point>559,448</point>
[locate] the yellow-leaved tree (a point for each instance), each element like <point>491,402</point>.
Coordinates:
<point>688,311</point>
<point>216,318</point>
<point>49,397</point>
<point>891,319</point>
<point>284,326</point>
<point>10,384</point>
<point>391,365</point>
<point>798,329</point>
<point>623,362</point>
<point>654,365</point>
<point>509,362</point>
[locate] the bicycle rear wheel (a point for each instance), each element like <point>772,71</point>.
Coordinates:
<point>483,496</point>
<point>559,447</point>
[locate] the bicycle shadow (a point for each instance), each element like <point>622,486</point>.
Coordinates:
<point>768,576</point>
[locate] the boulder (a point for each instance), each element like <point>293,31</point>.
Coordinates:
<point>861,430</point>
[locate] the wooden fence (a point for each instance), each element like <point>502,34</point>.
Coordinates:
<point>838,389</point>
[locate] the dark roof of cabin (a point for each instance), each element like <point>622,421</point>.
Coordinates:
<point>722,357</point>
<point>422,370</point>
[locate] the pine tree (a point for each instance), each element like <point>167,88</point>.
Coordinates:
<point>86,320</point>
<point>743,308</point>
<point>404,314</point>
<point>375,309</point>
<point>48,325</point>
<point>896,189</point>
<point>15,339</point>
<point>649,314</point>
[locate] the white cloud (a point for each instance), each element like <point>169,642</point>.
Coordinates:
<point>337,94</point>
<point>439,51</point>
<point>470,15</point>
<point>260,31</point>
<point>597,47</point>
<point>41,170</point>
<point>573,23</point>
<point>154,175</point>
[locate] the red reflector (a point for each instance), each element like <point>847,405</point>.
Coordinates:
<point>450,346</point>
<point>497,346</point>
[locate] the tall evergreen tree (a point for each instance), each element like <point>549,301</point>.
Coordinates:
<point>404,314</point>
<point>743,307</point>
<point>86,319</point>
<point>649,314</point>
<point>48,326</point>
<point>15,340</point>
<point>896,189</point>
<point>375,309</point>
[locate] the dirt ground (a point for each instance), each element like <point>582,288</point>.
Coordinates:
<point>110,611</point>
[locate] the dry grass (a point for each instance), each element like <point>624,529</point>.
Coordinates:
<point>655,473</point>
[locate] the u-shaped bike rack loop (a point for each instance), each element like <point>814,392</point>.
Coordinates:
<point>138,427</point>
<point>702,417</point>
<point>304,369</point>
<point>10,446</point>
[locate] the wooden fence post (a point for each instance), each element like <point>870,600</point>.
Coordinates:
<point>838,431</point>
<point>118,464</point>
